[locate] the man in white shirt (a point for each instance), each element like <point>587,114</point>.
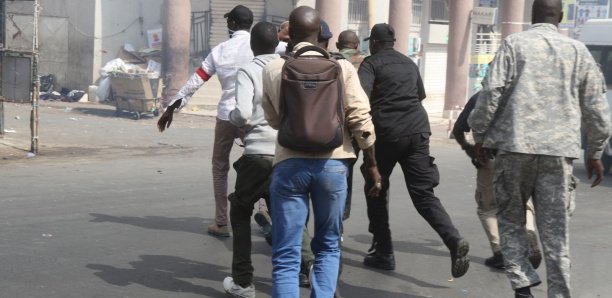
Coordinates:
<point>224,60</point>
<point>283,38</point>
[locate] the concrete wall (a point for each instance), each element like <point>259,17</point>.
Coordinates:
<point>280,8</point>
<point>120,25</point>
<point>65,38</point>
<point>382,11</point>
<point>77,37</point>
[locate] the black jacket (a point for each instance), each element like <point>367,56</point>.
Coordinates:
<point>395,88</point>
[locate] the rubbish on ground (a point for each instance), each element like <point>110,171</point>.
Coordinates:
<point>67,109</point>
<point>30,155</point>
<point>9,130</point>
<point>17,118</point>
<point>73,119</point>
<point>47,83</point>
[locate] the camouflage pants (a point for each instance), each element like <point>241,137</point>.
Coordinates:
<point>549,181</point>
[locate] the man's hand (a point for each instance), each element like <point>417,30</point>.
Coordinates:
<point>372,177</point>
<point>595,165</point>
<point>482,155</point>
<point>166,118</point>
<point>470,150</point>
<point>373,180</point>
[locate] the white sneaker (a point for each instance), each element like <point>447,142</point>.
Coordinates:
<point>236,290</point>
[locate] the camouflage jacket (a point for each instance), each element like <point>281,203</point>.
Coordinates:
<point>539,89</point>
<point>353,56</point>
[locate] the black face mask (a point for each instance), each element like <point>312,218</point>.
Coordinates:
<point>230,32</point>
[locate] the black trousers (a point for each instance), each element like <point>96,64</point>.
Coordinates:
<point>252,183</point>
<point>421,176</point>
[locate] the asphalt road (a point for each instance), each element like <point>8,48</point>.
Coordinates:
<point>112,208</point>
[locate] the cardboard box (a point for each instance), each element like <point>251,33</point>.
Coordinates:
<point>136,105</point>
<point>135,87</point>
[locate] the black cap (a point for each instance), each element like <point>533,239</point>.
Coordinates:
<point>325,32</point>
<point>382,32</point>
<point>240,14</point>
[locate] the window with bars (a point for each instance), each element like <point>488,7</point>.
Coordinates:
<point>417,12</point>
<point>439,11</point>
<point>358,12</point>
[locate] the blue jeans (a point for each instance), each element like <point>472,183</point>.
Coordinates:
<point>294,181</point>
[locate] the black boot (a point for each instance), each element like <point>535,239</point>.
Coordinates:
<point>304,277</point>
<point>523,293</point>
<point>460,262</point>
<point>496,261</point>
<point>380,260</point>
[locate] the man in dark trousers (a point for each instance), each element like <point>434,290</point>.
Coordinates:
<point>392,82</point>
<point>254,168</point>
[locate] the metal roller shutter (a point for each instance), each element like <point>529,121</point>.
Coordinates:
<point>218,30</point>
<point>434,76</point>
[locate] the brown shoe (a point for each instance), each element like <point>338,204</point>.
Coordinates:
<point>218,231</point>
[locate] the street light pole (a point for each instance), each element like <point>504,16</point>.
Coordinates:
<point>35,96</point>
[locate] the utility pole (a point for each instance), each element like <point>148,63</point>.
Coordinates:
<point>331,13</point>
<point>371,14</point>
<point>457,65</point>
<point>400,18</point>
<point>35,82</point>
<point>513,17</point>
<point>176,26</point>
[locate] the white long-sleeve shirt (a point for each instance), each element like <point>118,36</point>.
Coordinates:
<point>224,60</point>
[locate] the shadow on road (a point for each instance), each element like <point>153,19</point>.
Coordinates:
<point>427,247</point>
<point>348,290</point>
<point>403,277</point>
<point>194,225</point>
<point>167,273</point>
<point>100,111</point>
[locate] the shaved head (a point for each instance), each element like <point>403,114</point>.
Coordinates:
<point>347,39</point>
<point>547,11</point>
<point>283,32</point>
<point>284,25</point>
<point>304,25</point>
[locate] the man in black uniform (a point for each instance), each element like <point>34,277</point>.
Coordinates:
<point>392,82</point>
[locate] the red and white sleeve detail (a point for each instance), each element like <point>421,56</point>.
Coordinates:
<point>203,74</point>
<point>193,84</point>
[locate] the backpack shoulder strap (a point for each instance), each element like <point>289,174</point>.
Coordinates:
<point>305,49</point>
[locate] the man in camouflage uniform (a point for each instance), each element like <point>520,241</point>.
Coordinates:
<point>348,45</point>
<point>541,86</point>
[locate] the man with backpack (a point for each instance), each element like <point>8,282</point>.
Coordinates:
<point>395,88</point>
<point>316,103</point>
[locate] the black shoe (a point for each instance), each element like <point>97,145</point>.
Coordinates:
<point>380,261</point>
<point>304,277</point>
<point>460,262</point>
<point>496,261</point>
<point>535,256</point>
<point>304,281</point>
<point>523,293</point>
